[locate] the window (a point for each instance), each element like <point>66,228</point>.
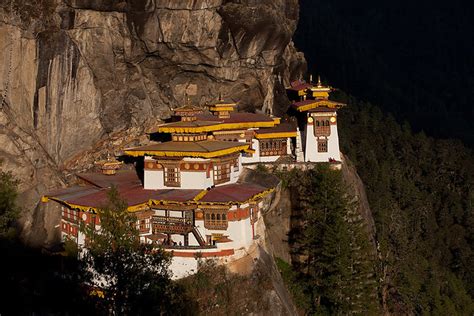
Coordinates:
<point>143,226</point>
<point>70,215</point>
<point>215,219</point>
<point>222,172</point>
<point>273,147</point>
<point>172,177</point>
<point>253,213</point>
<point>321,127</point>
<point>322,145</point>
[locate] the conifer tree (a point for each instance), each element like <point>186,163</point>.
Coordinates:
<point>338,263</point>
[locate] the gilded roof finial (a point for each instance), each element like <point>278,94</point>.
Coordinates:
<point>319,82</point>
<point>220,97</point>
<point>310,78</point>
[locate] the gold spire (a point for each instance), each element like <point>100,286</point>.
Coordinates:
<point>319,91</point>
<point>310,78</point>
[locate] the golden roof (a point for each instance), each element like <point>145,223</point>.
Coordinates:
<point>235,121</point>
<point>307,105</point>
<point>320,88</point>
<point>202,149</point>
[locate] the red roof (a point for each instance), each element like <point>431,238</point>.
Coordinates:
<point>282,128</point>
<point>237,192</point>
<point>316,101</point>
<point>120,179</point>
<point>305,102</point>
<point>132,192</point>
<point>236,118</point>
<point>95,196</point>
<point>299,85</point>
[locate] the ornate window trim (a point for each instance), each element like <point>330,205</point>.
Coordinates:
<point>273,147</point>
<point>322,126</point>
<point>216,219</point>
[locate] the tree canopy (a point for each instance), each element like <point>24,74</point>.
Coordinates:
<point>421,195</point>
<point>132,276</point>
<point>331,252</point>
<point>9,210</point>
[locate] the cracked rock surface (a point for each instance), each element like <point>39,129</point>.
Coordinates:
<point>85,77</point>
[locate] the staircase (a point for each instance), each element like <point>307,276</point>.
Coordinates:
<point>198,237</point>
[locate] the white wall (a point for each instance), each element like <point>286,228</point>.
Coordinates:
<point>311,149</point>
<point>153,179</point>
<point>183,266</point>
<point>256,156</point>
<point>195,180</point>
<point>240,232</point>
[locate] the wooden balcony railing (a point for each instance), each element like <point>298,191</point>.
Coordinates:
<point>215,224</point>
<point>171,225</point>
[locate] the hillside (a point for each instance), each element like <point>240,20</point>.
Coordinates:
<point>420,193</point>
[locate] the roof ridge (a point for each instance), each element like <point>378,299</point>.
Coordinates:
<point>206,149</point>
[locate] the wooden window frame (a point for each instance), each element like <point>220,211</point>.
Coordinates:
<point>175,180</point>
<point>143,225</point>
<point>322,145</point>
<point>222,172</point>
<point>322,127</point>
<point>216,219</point>
<point>273,147</point>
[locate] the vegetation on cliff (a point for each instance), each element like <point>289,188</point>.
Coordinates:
<point>334,266</point>
<point>133,280</point>
<point>133,276</point>
<point>421,194</point>
<point>8,208</point>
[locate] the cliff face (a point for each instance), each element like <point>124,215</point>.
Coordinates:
<point>82,77</point>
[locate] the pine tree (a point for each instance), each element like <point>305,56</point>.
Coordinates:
<point>339,266</point>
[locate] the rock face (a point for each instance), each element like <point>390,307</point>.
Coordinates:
<point>80,75</point>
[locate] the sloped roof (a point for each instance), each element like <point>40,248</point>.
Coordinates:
<point>309,104</point>
<point>92,198</point>
<point>236,192</point>
<point>239,117</point>
<point>283,130</point>
<point>120,179</point>
<point>299,85</point>
<point>204,149</point>
<point>89,197</point>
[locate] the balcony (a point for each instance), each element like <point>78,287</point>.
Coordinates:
<point>171,225</point>
<point>215,224</point>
